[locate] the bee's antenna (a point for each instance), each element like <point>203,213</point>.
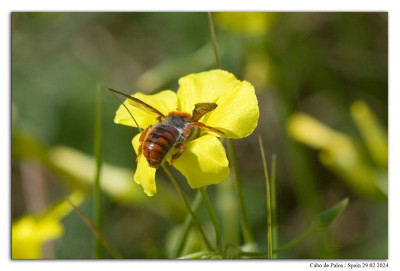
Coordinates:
<point>116,97</point>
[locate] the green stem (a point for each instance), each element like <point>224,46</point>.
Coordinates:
<point>212,216</point>
<point>196,255</point>
<point>295,241</point>
<point>97,208</point>
<point>273,206</point>
<point>187,204</point>
<point>248,235</point>
<point>213,40</point>
<point>284,248</point>
<point>96,231</point>
<point>268,198</point>
<point>186,227</point>
<point>254,254</point>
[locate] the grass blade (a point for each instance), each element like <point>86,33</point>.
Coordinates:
<point>213,40</point>
<point>273,207</point>
<point>213,217</point>
<point>186,227</point>
<point>97,232</point>
<point>97,208</point>
<point>268,198</point>
<point>246,229</point>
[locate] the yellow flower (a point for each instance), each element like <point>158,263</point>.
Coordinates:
<point>204,160</point>
<point>250,23</point>
<point>341,153</point>
<point>30,232</point>
<point>372,132</point>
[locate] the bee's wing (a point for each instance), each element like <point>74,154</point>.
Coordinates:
<point>139,103</point>
<point>201,109</point>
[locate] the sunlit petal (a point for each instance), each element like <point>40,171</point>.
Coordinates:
<point>204,87</point>
<point>204,162</point>
<point>164,101</point>
<point>237,112</point>
<point>144,175</point>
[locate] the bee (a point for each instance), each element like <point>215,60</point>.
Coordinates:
<point>171,131</point>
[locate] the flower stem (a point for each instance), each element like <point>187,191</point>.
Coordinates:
<point>186,227</point>
<point>97,208</point>
<point>96,231</point>
<point>213,40</point>
<point>187,204</point>
<point>248,236</point>
<point>273,207</point>
<point>247,233</point>
<point>212,216</point>
<point>268,197</point>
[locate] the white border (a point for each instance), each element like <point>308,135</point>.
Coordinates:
<point>204,5</point>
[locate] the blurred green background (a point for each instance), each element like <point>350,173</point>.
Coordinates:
<point>315,63</point>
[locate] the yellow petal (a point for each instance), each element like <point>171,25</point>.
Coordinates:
<point>164,101</point>
<point>237,112</point>
<point>204,162</point>
<point>203,87</point>
<point>144,175</point>
<point>251,23</point>
<point>25,243</point>
<point>374,135</point>
<point>49,229</point>
<point>314,133</point>
<point>29,235</point>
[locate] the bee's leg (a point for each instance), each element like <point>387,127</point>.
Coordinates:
<point>202,125</point>
<point>142,138</point>
<point>182,148</point>
<point>187,131</point>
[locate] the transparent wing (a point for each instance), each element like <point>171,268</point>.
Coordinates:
<point>139,104</point>
<point>201,109</point>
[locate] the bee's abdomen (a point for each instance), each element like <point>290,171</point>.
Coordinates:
<point>158,143</point>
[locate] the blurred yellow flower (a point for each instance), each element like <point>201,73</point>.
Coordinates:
<point>373,134</point>
<point>204,160</point>
<point>251,23</point>
<point>337,147</point>
<point>257,69</point>
<point>30,232</point>
<point>342,155</point>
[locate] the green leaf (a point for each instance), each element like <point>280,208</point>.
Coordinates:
<point>323,220</point>
<point>321,223</point>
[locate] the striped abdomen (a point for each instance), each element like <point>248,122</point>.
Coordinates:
<point>158,143</point>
